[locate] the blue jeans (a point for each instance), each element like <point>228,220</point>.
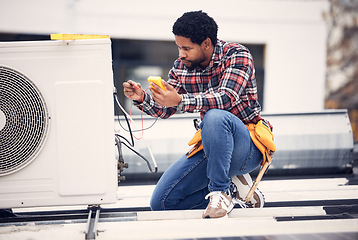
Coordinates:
<point>228,151</point>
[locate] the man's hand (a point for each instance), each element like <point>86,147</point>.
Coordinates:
<point>133,90</point>
<point>169,98</point>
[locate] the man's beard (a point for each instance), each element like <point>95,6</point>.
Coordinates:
<point>192,64</point>
<point>195,63</point>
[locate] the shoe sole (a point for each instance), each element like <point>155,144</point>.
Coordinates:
<point>230,208</point>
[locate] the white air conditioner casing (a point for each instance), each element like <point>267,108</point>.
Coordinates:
<point>56,116</point>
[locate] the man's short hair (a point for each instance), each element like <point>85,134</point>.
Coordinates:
<point>197,26</point>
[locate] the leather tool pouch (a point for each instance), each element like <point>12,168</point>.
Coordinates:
<point>263,139</point>
<point>196,141</point>
<point>260,134</point>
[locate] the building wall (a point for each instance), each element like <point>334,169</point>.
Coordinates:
<point>342,59</point>
<point>294,34</point>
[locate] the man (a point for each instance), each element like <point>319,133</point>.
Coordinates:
<point>217,79</point>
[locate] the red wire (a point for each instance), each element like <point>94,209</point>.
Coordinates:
<point>141,115</point>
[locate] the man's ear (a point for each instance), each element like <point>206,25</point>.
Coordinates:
<point>206,43</point>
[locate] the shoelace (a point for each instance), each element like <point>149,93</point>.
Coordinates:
<point>242,204</point>
<point>217,197</point>
<point>234,189</point>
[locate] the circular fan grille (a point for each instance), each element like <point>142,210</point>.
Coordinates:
<point>23,121</point>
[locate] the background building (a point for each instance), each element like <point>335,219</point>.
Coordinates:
<point>342,59</point>
<point>305,51</point>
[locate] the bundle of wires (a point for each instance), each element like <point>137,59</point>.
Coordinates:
<point>130,143</point>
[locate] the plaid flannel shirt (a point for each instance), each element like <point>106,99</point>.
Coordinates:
<point>227,83</point>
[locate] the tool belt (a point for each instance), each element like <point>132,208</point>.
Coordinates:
<point>260,134</point>
<point>196,141</point>
<point>263,139</point>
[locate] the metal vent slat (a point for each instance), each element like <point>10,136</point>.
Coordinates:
<point>26,121</point>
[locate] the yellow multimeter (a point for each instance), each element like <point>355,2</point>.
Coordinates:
<point>156,80</point>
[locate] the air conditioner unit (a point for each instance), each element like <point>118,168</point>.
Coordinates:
<point>56,123</point>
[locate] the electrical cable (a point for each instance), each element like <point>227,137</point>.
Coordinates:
<point>130,114</point>
<point>126,115</point>
<point>140,155</point>
<point>130,131</point>
<point>146,128</point>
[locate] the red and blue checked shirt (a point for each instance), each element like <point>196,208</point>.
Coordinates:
<point>227,83</point>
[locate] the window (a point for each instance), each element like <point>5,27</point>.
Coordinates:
<point>137,59</point>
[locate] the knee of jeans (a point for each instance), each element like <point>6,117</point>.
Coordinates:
<point>156,204</point>
<point>214,120</point>
<point>214,116</point>
<point>213,113</point>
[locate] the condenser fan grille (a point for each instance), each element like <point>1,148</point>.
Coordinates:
<point>23,121</point>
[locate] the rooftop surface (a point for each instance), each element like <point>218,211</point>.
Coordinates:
<point>323,207</point>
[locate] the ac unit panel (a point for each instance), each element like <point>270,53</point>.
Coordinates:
<point>76,163</point>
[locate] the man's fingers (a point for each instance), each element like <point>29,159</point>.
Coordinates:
<point>157,96</point>
<point>133,90</point>
<point>167,85</point>
<point>156,87</point>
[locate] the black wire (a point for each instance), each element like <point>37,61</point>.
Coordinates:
<point>131,145</point>
<point>119,142</point>
<point>119,122</point>
<point>125,115</point>
<point>140,155</point>
<point>130,131</point>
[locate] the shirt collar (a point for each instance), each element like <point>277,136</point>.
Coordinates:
<point>217,55</point>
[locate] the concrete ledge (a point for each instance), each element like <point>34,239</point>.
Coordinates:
<point>236,213</point>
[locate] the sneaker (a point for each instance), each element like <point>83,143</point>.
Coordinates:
<point>219,206</point>
<point>241,185</point>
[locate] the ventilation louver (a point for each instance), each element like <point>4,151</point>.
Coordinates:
<point>24,121</point>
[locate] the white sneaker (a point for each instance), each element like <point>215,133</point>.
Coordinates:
<point>241,185</point>
<point>219,206</point>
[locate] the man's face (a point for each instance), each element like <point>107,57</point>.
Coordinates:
<point>190,53</point>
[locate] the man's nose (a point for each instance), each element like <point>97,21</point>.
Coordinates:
<point>182,55</point>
